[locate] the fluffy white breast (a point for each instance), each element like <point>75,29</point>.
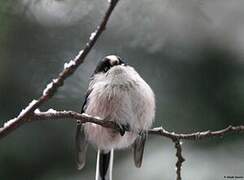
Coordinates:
<point>126,98</point>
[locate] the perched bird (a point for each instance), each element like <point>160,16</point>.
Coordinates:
<point>116,93</point>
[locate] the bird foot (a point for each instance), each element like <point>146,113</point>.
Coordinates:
<point>123,128</point>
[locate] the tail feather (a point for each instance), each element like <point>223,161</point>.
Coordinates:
<point>138,149</point>
<point>104,165</point>
<point>81,147</point>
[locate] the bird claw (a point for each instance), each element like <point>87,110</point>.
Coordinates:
<point>123,128</point>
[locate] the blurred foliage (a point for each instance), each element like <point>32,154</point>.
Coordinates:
<point>190,53</point>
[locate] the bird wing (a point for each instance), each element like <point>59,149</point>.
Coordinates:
<point>138,149</point>
<point>81,142</point>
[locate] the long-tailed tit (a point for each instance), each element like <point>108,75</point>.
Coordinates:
<point>117,93</point>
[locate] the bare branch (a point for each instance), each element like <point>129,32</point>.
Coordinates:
<point>83,118</point>
<point>180,158</point>
<point>192,136</point>
<point>52,114</point>
<point>53,86</point>
<point>197,135</point>
<point>158,131</point>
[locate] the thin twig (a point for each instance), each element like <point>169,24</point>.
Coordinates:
<point>192,136</point>
<point>180,158</point>
<point>69,69</point>
<point>197,135</point>
<point>156,131</point>
<point>55,115</point>
<point>84,118</point>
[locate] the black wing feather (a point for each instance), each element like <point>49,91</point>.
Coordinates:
<point>80,139</point>
<point>138,149</point>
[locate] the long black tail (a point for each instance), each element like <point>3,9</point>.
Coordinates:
<point>104,165</point>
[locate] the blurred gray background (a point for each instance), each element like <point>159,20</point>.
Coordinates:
<point>189,51</point>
